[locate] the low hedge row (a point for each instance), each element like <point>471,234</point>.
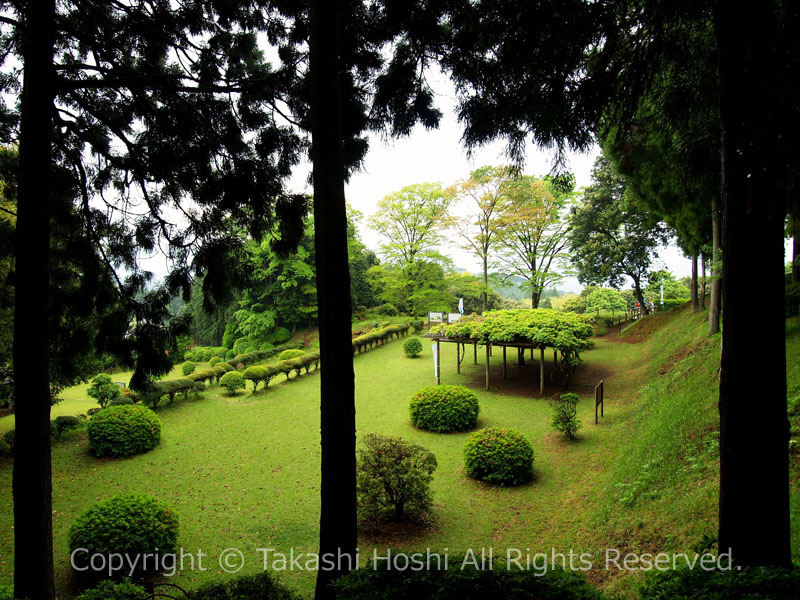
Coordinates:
<point>264,373</point>
<point>255,356</point>
<point>374,338</point>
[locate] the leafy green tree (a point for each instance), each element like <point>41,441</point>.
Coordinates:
<point>484,195</point>
<point>472,290</point>
<point>532,232</point>
<point>103,389</point>
<point>565,415</point>
<point>673,289</point>
<point>611,237</point>
<point>411,222</point>
<point>605,299</point>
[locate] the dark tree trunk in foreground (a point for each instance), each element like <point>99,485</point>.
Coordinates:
<point>338,532</point>
<point>32,481</point>
<point>535,299</point>
<point>715,301</point>
<point>637,291</point>
<point>754,428</point>
<point>694,300</point>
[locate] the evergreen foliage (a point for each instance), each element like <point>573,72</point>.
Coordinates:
<point>444,408</point>
<point>123,431</point>
<point>500,456</point>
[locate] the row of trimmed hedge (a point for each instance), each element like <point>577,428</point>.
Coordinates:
<point>374,338</point>
<point>264,373</point>
<point>255,356</point>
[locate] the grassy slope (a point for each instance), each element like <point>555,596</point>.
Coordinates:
<point>243,471</point>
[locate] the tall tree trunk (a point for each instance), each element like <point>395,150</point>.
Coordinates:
<point>637,291</point>
<point>754,464</point>
<point>338,526</point>
<point>715,302</point>
<point>32,477</point>
<point>794,225</point>
<point>484,295</point>
<point>535,299</point>
<point>703,281</point>
<point>695,305</point>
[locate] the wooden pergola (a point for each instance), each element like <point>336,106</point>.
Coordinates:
<point>461,344</point>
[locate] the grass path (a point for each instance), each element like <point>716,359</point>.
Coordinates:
<point>243,471</point>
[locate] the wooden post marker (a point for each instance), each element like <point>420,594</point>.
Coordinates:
<point>504,363</point>
<point>598,400</point>
<point>488,346</point>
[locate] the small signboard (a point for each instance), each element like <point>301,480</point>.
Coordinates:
<point>453,317</point>
<point>435,317</point>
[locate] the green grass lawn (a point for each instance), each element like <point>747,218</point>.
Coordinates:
<point>243,471</point>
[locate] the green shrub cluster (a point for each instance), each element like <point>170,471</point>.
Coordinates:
<point>204,353</point>
<point>463,579</point>
<point>444,408</point>
<point>123,431</point>
<point>262,586</point>
<point>498,455</point>
<point>132,524</point>
<point>568,332</point>
<point>214,360</point>
<point>412,347</point>
<point>565,415</point>
<point>389,310</point>
<point>121,401</point>
<point>417,324</point>
<point>187,368</point>
<point>751,583</point>
<point>259,374</point>
<point>393,477</point>
<point>290,354</point>
<point>103,389</point>
<point>109,590</point>
<point>232,381</point>
<point>280,335</point>
<point>379,336</point>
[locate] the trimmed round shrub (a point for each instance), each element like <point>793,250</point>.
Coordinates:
<point>189,355</point>
<point>232,381</point>
<point>214,360</point>
<point>122,401</point>
<point>498,455</point>
<point>108,590</point>
<point>280,335</point>
<point>230,354</point>
<point>290,354</point>
<point>444,408</point>
<point>412,347</point>
<point>123,431</point>
<point>132,524</point>
<point>187,368</point>
<point>417,324</point>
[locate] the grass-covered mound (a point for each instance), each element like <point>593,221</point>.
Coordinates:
<point>444,408</point>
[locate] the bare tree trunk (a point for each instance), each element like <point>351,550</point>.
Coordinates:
<point>754,453</point>
<point>703,281</point>
<point>637,291</point>
<point>484,295</point>
<point>715,302</point>
<point>32,477</point>
<point>338,526</point>
<point>535,299</point>
<point>695,305</point>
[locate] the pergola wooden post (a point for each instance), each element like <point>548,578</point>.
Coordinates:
<point>488,346</point>
<point>541,371</point>
<point>458,358</point>
<point>438,363</point>
<point>504,363</point>
<point>475,352</point>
